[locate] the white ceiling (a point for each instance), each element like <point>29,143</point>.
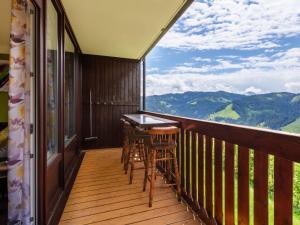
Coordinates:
<point>5,17</point>
<point>119,28</point>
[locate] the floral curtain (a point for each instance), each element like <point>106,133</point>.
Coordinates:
<point>19,116</point>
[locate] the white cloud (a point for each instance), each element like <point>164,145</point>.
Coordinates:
<point>200,59</point>
<point>253,90</point>
<point>283,60</point>
<point>251,80</point>
<point>293,86</point>
<point>258,74</point>
<point>152,69</point>
<point>234,24</point>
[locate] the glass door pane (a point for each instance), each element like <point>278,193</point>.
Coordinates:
<point>52,80</point>
<point>69,103</point>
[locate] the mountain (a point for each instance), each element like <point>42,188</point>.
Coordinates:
<point>280,111</point>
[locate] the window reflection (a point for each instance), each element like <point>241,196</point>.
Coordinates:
<point>52,80</point>
<point>69,102</point>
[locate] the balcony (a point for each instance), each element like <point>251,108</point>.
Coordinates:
<point>101,195</point>
<point>88,69</point>
<point>215,167</point>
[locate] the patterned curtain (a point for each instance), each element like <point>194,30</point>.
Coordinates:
<point>19,116</point>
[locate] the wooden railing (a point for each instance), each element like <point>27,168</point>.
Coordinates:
<point>214,161</point>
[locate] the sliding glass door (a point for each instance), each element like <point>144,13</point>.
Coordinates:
<point>69,91</point>
<point>52,80</point>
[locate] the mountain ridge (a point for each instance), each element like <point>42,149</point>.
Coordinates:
<point>275,110</point>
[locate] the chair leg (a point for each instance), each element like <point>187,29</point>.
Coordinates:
<point>123,155</point>
<point>127,157</point>
<point>132,164</point>
<point>168,171</point>
<point>177,178</point>
<point>147,156</point>
<point>124,151</point>
<point>153,173</point>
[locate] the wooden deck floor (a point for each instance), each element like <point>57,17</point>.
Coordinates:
<point>101,195</point>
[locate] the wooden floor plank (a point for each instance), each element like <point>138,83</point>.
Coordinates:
<point>113,206</point>
<point>186,222</point>
<point>169,219</point>
<point>117,199</point>
<point>102,195</point>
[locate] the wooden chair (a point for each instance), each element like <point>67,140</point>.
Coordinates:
<point>129,143</point>
<point>136,152</point>
<point>133,148</point>
<point>161,148</point>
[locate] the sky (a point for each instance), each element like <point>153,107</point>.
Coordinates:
<point>239,46</point>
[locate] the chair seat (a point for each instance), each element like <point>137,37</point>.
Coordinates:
<point>163,130</point>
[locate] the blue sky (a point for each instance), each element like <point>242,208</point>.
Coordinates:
<point>239,46</point>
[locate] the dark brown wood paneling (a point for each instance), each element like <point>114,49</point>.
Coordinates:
<point>115,86</point>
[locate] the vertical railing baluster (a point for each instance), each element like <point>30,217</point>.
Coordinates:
<point>283,192</point>
<point>194,167</point>
<point>200,171</point>
<point>243,186</point>
<point>229,184</point>
<point>182,156</point>
<point>188,163</point>
<point>260,188</point>
<point>218,181</point>
<point>204,179</point>
<point>177,153</point>
<point>208,175</point>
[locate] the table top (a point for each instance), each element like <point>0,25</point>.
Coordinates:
<point>147,121</point>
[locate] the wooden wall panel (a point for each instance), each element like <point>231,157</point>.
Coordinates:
<point>115,86</point>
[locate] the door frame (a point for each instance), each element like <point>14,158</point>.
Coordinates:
<point>44,214</point>
<point>33,106</point>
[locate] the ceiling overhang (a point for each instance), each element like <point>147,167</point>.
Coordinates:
<point>121,28</point>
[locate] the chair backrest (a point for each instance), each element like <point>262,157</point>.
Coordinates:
<point>127,127</point>
<point>164,135</point>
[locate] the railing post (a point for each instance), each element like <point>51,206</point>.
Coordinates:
<point>208,176</point>
<point>182,175</point>
<point>260,188</point>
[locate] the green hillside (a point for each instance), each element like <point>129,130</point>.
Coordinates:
<point>227,113</point>
<point>293,127</point>
<point>278,111</point>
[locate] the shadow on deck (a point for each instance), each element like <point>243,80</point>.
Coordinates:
<point>101,195</point>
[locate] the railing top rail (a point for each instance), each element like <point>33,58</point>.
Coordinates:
<point>278,143</point>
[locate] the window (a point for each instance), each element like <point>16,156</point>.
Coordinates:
<point>52,80</point>
<point>69,101</point>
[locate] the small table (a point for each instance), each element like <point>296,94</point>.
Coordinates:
<point>146,121</point>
